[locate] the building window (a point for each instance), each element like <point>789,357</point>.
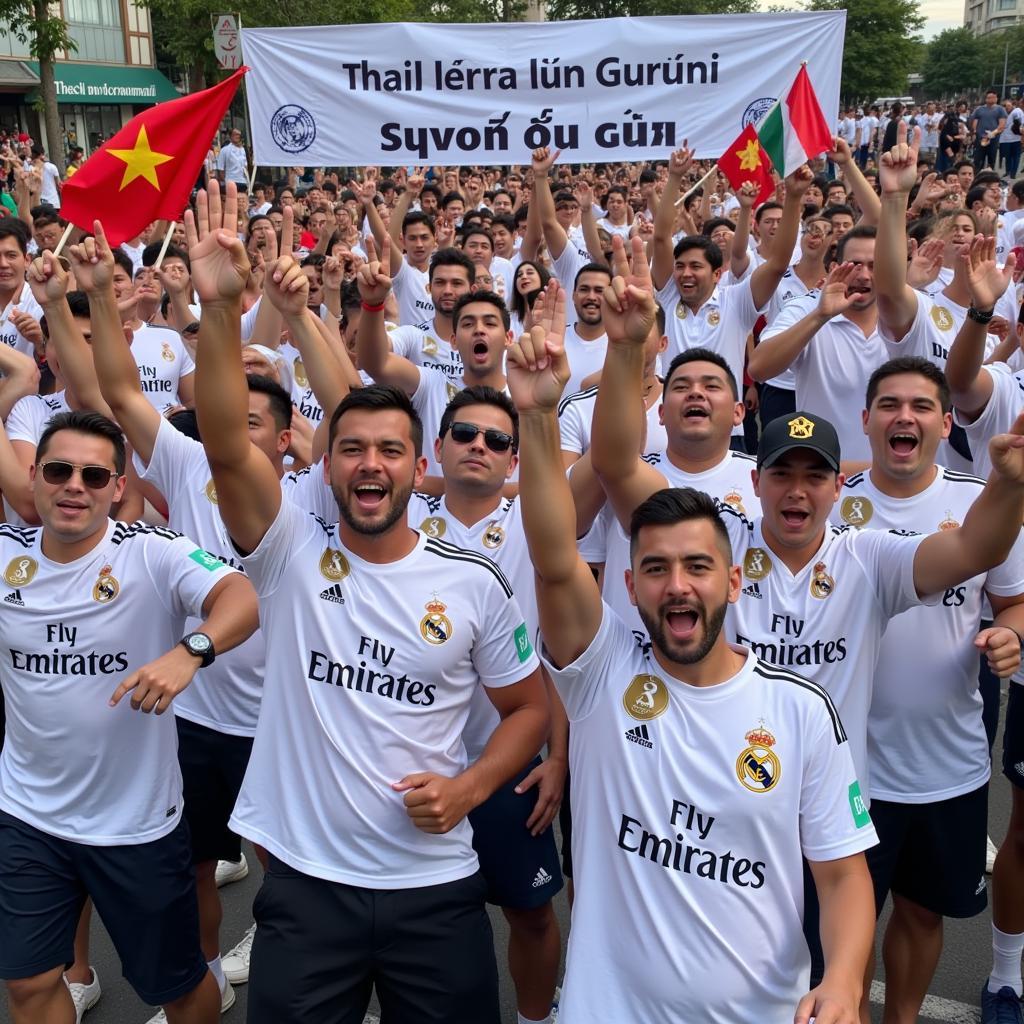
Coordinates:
<point>95,25</point>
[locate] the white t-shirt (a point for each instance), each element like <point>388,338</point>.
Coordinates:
<point>1003,408</point>
<point>424,346</point>
<point>412,290</point>
<point>49,194</point>
<point>585,357</point>
<point>9,334</point>
<point>692,810</point>
<point>576,420</point>
<point>134,253</point>
<point>233,161</point>
<point>303,397</point>
<point>568,263</point>
<point>926,738</point>
<point>1015,116</point>
<point>370,671</point>
<point>827,619</point>
<point>832,372</point>
<point>790,287</point>
<point>72,766</point>
<point>162,361</point>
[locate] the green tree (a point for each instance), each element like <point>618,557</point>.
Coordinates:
<point>567,10</point>
<point>955,62</point>
<point>882,45</point>
<point>46,35</point>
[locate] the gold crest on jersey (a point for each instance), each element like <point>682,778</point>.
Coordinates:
<point>942,318</point>
<point>821,583</point>
<point>106,587</point>
<point>714,318</point>
<point>756,564</point>
<point>334,565</point>
<point>681,311</point>
<point>435,626</point>
<point>166,352</point>
<point>429,345</point>
<point>451,389</point>
<point>645,698</point>
<point>433,526</point>
<point>211,492</point>
<point>494,534</point>
<point>21,571</point>
<point>856,511</point>
<point>735,500</point>
<point>299,369</point>
<point>949,523</point>
<point>758,767</point>
<point>801,428</point>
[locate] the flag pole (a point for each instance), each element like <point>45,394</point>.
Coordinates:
<point>252,177</point>
<point>693,188</point>
<point>166,243</point>
<point>64,238</point>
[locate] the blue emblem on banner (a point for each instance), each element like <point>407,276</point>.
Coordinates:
<point>293,128</point>
<point>756,110</point>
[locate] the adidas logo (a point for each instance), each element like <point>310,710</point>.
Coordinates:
<point>542,878</point>
<point>640,736</point>
<point>333,594</point>
<point>14,597</point>
<point>753,590</point>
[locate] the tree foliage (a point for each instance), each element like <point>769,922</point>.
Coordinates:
<point>568,10</point>
<point>955,62</point>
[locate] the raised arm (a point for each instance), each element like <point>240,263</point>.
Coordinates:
<point>248,491</point>
<point>554,234</point>
<point>665,215</point>
<point>739,253</point>
<point>867,200</point>
<point>766,279</point>
<point>585,197</point>
<point>20,378</point>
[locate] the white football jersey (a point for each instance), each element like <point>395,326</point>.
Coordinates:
<point>412,290</point>
<point>9,334</point>
<point>1003,408</point>
<point>693,808</point>
<point>371,668</point>
<point>162,361</point>
<point>423,346</point>
<point>576,418</point>
<point>302,394</point>
<point>585,357</point>
<point>73,766</point>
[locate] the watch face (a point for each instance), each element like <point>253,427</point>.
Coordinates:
<point>199,644</point>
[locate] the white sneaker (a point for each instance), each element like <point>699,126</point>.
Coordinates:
<point>227,1000</point>
<point>85,997</point>
<point>229,871</point>
<point>990,855</point>
<point>236,963</point>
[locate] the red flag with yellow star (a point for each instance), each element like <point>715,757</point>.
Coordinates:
<point>745,160</point>
<point>147,171</point>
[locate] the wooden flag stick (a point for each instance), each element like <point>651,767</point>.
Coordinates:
<point>252,178</point>
<point>63,239</point>
<point>166,243</point>
<point>693,188</point>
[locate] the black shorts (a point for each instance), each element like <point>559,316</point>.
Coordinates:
<point>321,947</point>
<point>565,824</point>
<point>521,870</point>
<point>146,895</point>
<point>1013,736</point>
<point>932,854</point>
<point>212,768</point>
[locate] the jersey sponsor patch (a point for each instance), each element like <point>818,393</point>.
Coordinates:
<point>14,597</point>
<point>334,565</point>
<point>758,766</point>
<point>433,526</point>
<point>858,808</point>
<point>522,641</point>
<point>756,564</point>
<point>205,559</point>
<point>645,698</point>
<point>856,511</point>
<point>21,571</point>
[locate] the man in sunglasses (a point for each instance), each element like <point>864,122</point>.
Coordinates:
<point>477,449</point>
<point>90,793</point>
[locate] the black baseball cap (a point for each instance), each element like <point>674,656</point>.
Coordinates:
<point>801,430</point>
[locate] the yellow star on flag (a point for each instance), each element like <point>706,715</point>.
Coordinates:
<point>140,162</point>
<point>750,156</point>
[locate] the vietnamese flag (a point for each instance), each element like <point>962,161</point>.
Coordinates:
<point>147,171</point>
<point>745,160</point>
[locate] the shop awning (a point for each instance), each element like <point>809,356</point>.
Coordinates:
<point>109,83</point>
<point>16,75</point>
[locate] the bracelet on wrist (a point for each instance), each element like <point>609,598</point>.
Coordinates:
<point>371,309</point>
<point>980,316</point>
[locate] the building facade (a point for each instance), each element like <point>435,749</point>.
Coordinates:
<point>985,16</point>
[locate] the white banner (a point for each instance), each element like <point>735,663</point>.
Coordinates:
<point>617,89</point>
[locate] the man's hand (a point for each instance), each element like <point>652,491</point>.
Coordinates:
<point>435,803</point>
<point>829,1004</point>
<point>543,159</point>
<point>627,304</point>
<point>374,284</point>
<point>549,778</point>
<point>416,182</point>
<point>985,281</point>
<point>747,195</point>
<point>1007,454</point>
<point>93,261</point>
<point>159,682</point>
<point>925,262</point>
<point>537,367</point>
<point>220,266</point>
<point>366,191</point>
<point>584,195</point>
<point>287,287</point>
<point>799,181</point>
<point>680,160</point>
<point>897,171</point>
<point>445,231</point>
<point>333,273</point>
<point>834,301</point>
<point>841,154</point>
<point>27,326</point>
<point>1001,646</point>
<point>47,278</point>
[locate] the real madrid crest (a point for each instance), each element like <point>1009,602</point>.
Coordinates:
<point>494,534</point>
<point>334,565</point>
<point>756,564</point>
<point>20,571</point>
<point>429,345</point>
<point>856,511</point>
<point>435,626</point>
<point>211,492</point>
<point>735,500</point>
<point>714,318</point>
<point>942,318</point>
<point>106,587</point>
<point>299,370</point>
<point>758,767</point>
<point>801,428</point>
<point>949,523</point>
<point>821,583</point>
<point>433,526</point>
<point>166,352</point>
<point>681,310</point>
<point>645,698</point>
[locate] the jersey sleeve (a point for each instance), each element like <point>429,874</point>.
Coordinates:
<point>188,366</point>
<point>308,490</point>
<point>1003,407</point>
<point>183,573</point>
<point>22,422</point>
<point>739,301</point>
<point>175,458</point>
<point>570,426</point>
<point>249,319</point>
<point>834,819</point>
<point>503,653</point>
<point>887,559</point>
<point>567,265</point>
<point>668,295</point>
<point>290,531</point>
<point>402,341</point>
<point>917,340</point>
<point>1007,579</point>
<point>593,545</point>
<point>582,684</point>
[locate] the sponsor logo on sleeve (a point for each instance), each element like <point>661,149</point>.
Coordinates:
<point>522,641</point>
<point>858,808</point>
<point>205,559</point>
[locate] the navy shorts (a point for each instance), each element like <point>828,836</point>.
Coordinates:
<point>145,894</point>
<point>212,768</point>
<point>1013,736</point>
<point>932,854</point>
<point>521,869</point>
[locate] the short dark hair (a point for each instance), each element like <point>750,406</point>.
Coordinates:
<point>591,268</point>
<point>185,422</point>
<point>477,229</point>
<point>763,209</point>
<point>701,355</point>
<point>491,297</point>
<point>690,242</point>
<point>450,198</point>
<point>975,194</point>
<point>124,261</point>
<point>83,422</point>
<point>279,399</point>
<point>673,505</point>
<point>857,231</point>
<point>432,189</point>
<point>451,257</point>
<point>379,398</point>
<point>830,211</point>
<point>505,220</point>
<point>710,226</point>
<point>78,303</point>
<point>480,394</point>
<point>415,217</point>
<point>11,227</point>
<point>46,218</point>
<point>152,251</point>
<point>909,364</point>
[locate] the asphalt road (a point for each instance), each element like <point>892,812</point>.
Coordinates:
<point>954,992</point>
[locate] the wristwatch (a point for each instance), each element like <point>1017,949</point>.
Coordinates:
<point>980,316</point>
<point>201,646</point>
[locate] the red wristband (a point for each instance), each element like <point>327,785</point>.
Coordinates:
<point>371,309</point>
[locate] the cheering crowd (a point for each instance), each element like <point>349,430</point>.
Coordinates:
<point>719,500</point>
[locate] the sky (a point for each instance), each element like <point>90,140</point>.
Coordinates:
<point>939,14</point>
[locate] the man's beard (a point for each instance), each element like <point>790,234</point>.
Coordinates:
<point>399,504</point>
<point>712,627</point>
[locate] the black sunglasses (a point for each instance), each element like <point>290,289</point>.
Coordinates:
<point>94,477</point>
<point>496,440</point>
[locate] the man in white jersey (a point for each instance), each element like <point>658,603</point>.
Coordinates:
<point>585,339</point>
<point>16,300</point>
<point>927,748</point>
<point>477,449</point>
<point>357,784</point>
<point>700,775</point>
<point>94,612</point>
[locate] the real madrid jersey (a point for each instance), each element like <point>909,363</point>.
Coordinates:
<point>585,355</point>
<point>926,738</point>
<point>162,361</point>
<point>371,668</point>
<point>1002,409</point>
<point>9,334</point>
<point>70,633</point>
<point>412,290</point>
<point>827,619</point>
<point>692,810</point>
<point>576,420</point>
<point>302,394</point>
<point>423,346</point>
<point>500,537</point>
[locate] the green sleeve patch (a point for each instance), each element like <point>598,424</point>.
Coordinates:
<point>858,808</point>
<point>522,641</point>
<point>205,559</point>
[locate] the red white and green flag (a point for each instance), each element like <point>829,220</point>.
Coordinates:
<point>795,129</point>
